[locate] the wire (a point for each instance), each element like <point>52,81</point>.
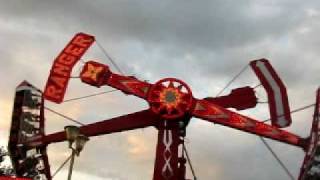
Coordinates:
<point>189,161</point>
<point>109,57</point>
<point>264,142</point>
<point>64,116</point>
<point>296,110</point>
<point>270,149</point>
<point>74,77</point>
<point>277,158</point>
<point>257,86</point>
<point>263,102</point>
<point>232,80</point>
<point>61,166</point>
<point>88,96</point>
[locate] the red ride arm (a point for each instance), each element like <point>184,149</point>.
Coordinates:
<point>133,121</point>
<point>129,85</point>
<point>213,113</point>
<point>97,74</point>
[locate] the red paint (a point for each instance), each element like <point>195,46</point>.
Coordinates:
<point>128,122</point>
<point>239,98</point>
<point>12,178</point>
<point>62,67</point>
<point>129,85</point>
<point>169,163</point>
<point>190,107</point>
<point>94,73</point>
<point>166,164</point>
<point>168,99</point>
<point>216,114</point>
<point>97,74</point>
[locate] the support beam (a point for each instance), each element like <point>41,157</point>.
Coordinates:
<point>133,121</point>
<point>167,153</point>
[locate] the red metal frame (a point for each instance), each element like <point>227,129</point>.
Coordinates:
<point>165,97</point>
<point>170,98</point>
<point>171,107</point>
<point>239,99</point>
<point>133,121</point>
<point>200,108</point>
<point>169,164</point>
<point>216,114</point>
<point>12,178</point>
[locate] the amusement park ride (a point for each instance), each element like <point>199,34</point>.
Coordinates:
<point>172,105</point>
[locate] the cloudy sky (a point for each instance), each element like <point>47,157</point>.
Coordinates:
<point>205,43</point>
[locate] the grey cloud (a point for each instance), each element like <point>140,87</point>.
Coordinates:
<point>206,24</point>
<point>204,43</point>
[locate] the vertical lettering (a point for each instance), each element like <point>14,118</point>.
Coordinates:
<point>53,92</point>
<point>74,50</point>
<point>66,59</point>
<point>61,70</point>
<point>83,41</point>
<point>60,81</point>
<point>63,65</point>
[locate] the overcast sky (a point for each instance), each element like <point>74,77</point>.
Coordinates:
<point>205,43</point>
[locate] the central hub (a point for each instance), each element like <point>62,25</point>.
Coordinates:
<point>170,98</point>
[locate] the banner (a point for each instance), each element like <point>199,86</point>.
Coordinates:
<point>277,93</point>
<point>62,67</point>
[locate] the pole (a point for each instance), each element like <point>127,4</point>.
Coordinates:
<point>71,164</point>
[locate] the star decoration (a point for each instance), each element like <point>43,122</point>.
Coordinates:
<point>170,98</point>
<point>92,72</point>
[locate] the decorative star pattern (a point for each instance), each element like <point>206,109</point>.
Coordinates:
<point>92,72</point>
